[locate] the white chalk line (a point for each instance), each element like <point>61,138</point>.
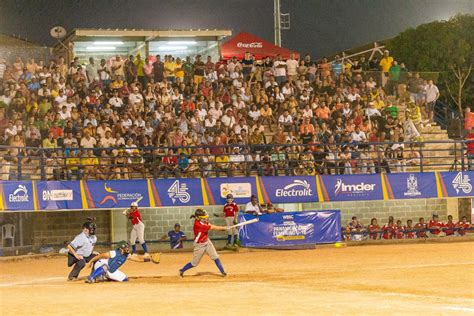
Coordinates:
<point>457,308</point>
<point>30,282</point>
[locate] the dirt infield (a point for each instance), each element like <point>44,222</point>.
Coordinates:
<point>411,279</point>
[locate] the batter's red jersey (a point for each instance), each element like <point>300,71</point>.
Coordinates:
<point>135,217</point>
<point>201,231</point>
<point>449,231</point>
<point>231,209</point>
<point>433,223</point>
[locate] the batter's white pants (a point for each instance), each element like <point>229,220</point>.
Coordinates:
<point>118,275</point>
<point>200,249</point>
<point>138,232</point>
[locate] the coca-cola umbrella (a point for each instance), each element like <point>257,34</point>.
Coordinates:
<point>246,42</point>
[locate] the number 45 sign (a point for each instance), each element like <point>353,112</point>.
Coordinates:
<point>462,183</point>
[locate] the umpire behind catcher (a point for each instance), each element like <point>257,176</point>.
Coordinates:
<point>80,249</point>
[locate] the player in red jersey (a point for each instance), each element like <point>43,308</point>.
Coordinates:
<point>389,228</point>
<point>410,234</point>
<point>231,210</point>
<point>449,226</point>
<point>138,230</point>
<point>421,228</point>
<point>202,244</point>
<point>462,226</point>
<point>374,229</point>
<point>398,231</point>
<point>435,226</point>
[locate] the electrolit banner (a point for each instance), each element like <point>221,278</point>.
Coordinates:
<point>289,189</point>
<point>241,188</point>
<point>116,193</point>
<point>352,187</point>
<point>177,192</point>
<point>18,195</point>
<point>291,229</point>
<point>57,195</point>
<point>411,185</point>
<point>454,184</point>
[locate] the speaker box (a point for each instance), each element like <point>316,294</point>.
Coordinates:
<point>454,128</point>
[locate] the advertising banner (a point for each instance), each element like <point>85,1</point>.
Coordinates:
<point>455,184</point>
<point>241,188</point>
<point>116,193</point>
<point>57,195</point>
<point>411,185</point>
<point>290,189</point>
<point>291,229</point>
<point>177,192</point>
<point>18,195</point>
<point>352,187</point>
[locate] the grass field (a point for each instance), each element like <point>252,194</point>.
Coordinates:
<point>423,279</point>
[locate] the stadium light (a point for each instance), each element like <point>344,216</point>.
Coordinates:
<point>100,48</point>
<point>172,47</point>
<point>108,43</point>
<point>182,43</point>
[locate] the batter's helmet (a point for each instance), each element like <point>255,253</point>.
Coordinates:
<point>200,214</point>
<point>229,197</point>
<point>91,227</point>
<point>134,204</point>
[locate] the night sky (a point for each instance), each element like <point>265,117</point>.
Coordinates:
<point>318,26</point>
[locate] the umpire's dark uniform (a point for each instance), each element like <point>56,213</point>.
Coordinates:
<point>83,245</point>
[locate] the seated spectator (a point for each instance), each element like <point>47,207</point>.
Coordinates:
<point>449,226</point>
<point>389,229</point>
<point>374,229</point>
<point>222,164</point>
<point>253,207</point>
<point>89,164</point>
<point>272,209</point>
<point>136,163</point>
<point>176,237</point>
<point>120,165</point>
<point>355,230</point>
<point>410,233</point>
<point>399,231</point>
<point>462,226</point>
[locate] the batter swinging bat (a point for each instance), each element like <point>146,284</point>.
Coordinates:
<point>251,221</point>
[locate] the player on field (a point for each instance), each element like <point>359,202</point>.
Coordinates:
<point>107,264</point>
<point>138,230</point>
<point>202,244</point>
<point>80,250</point>
<point>231,211</point>
<point>176,237</point>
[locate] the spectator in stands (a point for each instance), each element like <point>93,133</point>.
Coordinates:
<point>355,230</point>
<point>253,207</point>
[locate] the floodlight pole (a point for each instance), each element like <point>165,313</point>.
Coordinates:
<point>277,22</point>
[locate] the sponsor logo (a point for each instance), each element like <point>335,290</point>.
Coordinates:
<point>238,190</point>
<point>250,45</point>
<point>462,183</point>
<point>297,188</point>
<point>19,195</point>
<point>179,191</point>
<point>412,186</point>
<point>116,196</point>
<point>353,189</point>
<point>58,195</point>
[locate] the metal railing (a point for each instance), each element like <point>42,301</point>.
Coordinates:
<point>31,163</point>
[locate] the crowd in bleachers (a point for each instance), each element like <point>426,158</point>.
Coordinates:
<point>357,231</point>
<point>166,116</point>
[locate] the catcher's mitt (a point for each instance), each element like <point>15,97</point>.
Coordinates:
<point>155,258</point>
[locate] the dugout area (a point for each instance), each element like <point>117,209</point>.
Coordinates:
<point>428,278</point>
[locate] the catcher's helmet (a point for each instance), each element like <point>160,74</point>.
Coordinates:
<point>91,227</point>
<point>123,245</point>
<point>200,214</point>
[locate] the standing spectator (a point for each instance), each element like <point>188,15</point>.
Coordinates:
<point>292,68</point>
<point>385,64</point>
<point>199,69</point>
<point>176,237</point>
<point>158,69</point>
<point>247,65</point>
<point>118,67</point>
<point>279,69</point>
<point>432,95</point>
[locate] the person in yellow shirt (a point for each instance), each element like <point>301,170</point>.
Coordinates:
<point>139,63</point>
<point>179,71</point>
<point>266,115</point>
<point>170,67</point>
<point>73,163</point>
<point>90,164</point>
<point>222,164</point>
<point>379,104</point>
<point>385,64</point>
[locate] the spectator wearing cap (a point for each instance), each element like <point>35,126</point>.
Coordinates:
<point>176,237</point>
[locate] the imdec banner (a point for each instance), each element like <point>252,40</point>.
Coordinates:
<point>291,229</point>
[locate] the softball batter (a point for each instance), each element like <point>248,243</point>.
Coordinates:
<point>202,243</point>
<point>138,230</point>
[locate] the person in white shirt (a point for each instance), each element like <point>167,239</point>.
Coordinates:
<point>135,97</point>
<point>228,119</point>
<point>286,121</point>
<point>126,121</point>
<point>108,141</point>
<point>240,126</point>
<point>253,207</point>
<point>103,129</point>
<point>372,111</point>
<point>254,113</point>
<point>209,122</point>
<point>61,98</point>
<point>279,69</point>
<point>292,67</point>
<point>69,104</point>
<point>358,135</point>
<point>239,103</point>
<point>201,112</point>
<point>432,95</point>
<point>116,101</point>
<point>88,141</point>
<point>64,114</point>
<point>215,111</point>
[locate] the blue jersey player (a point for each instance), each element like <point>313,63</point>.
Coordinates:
<point>106,265</point>
<point>176,237</point>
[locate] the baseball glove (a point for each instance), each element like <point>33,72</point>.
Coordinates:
<point>155,258</point>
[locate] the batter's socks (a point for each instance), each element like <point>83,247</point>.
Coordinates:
<point>229,239</point>
<point>236,238</point>
<point>145,248</point>
<point>185,268</point>
<point>134,248</point>
<point>97,273</point>
<point>219,266</point>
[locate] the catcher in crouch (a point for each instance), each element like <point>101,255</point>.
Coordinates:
<point>106,265</point>
<point>202,243</point>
